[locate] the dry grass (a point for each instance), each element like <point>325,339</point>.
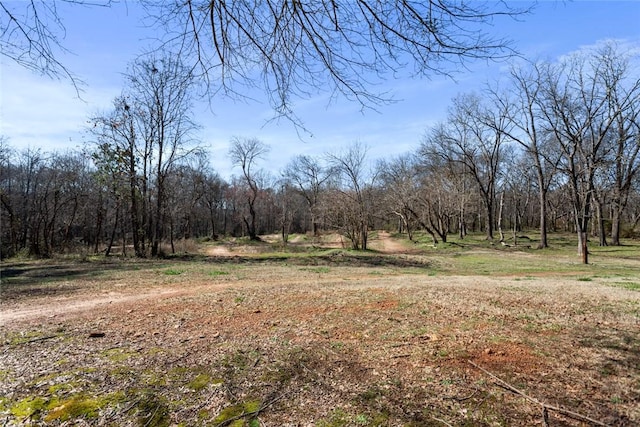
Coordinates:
<point>327,339</point>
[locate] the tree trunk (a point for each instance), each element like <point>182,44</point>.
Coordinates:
<point>253,234</point>
<point>112,238</point>
<point>615,227</point>
<point>364,235</point>
<point>489,220</point>
<point>583,248</point>
<point>135,210</point>
<point>543,214</point>
<point>582,228</point>
<point>602,237</point>
<point>501,206</point>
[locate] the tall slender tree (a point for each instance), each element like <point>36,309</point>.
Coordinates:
<point>245,152</point>
<point>161,90</point>
<point>150,131</point>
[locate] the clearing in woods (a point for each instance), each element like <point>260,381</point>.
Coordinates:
<point>251,335</point>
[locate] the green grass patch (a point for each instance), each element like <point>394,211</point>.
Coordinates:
<point>337,418</point>
<point>25,337</point>
<point>632,286</point>
<point>215,273</point>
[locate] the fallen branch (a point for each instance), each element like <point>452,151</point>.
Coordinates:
<point>399,356</point>
<point>545,407</point>
<point>461,399</point>
<point>46,337</point>
<point>442,421</point>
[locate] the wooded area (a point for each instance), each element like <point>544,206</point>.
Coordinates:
<point>554,146</point>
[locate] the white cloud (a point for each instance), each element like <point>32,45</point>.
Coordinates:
<point>38,112</point>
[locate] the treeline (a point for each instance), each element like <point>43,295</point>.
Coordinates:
<point>553,146</point>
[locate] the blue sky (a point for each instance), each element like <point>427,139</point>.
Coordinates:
<point>36,111</point>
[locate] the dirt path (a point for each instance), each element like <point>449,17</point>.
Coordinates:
<point>388,245</point>
<point>60,308</point>
<point>72,305</point>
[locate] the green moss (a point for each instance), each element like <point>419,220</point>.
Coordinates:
<point>203,415</point>
<point>118,354</point>
<point>26,337</point>
<point>30,407</point>
<point>252,406</point>
<point>240,411</point>
<point>199,382</point>
<point>337,418</point>
<point>80,406</point>
<point>62,387</point>
<point>153,378</point>
<point>75,407</point>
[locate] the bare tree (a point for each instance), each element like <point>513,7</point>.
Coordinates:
<point>307,176</point>
<point>473,138</point>
<point>9,215</point>
<point>116,154</point>
<point>578,111</point>
<point>623,98</point>
<point>522,112</point>
<point>352,206</point>
<point>110,178</point>
<point>186,189</point>
<point>400,177</point>
<point>418,193</point>
<point>42,196</point>
<point>160,91</point>
<point>293,48</point>
<point>214,200</point>
<point>149,132</point>
<point>244,152</point>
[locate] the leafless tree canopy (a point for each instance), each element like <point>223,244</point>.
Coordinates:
<point>288,48</point>
<point>32,33</point>
<point>291,47</point>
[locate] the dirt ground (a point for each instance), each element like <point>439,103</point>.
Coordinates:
<point>233,340</point>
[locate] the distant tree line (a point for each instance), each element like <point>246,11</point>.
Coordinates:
<point>553,146</point>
